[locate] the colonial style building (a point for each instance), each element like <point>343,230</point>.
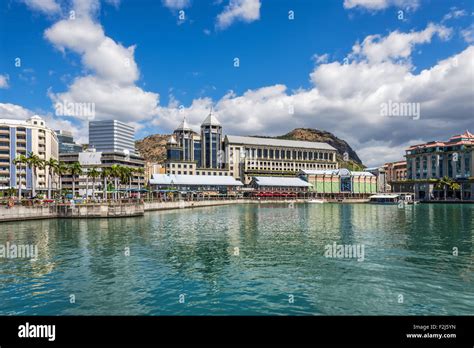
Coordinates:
<point>437,159</point>
<point>211,153</point>
<point>22,138</point>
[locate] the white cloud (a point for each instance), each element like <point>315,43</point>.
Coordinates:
<point>346,99</point>
<point>113,72</point>
<point>4,81</point>
<point>397,45</point>
<point>239,10</point>
<point>176,4</point>
<point>17,112</point>
<point>45,6</point>
<point>375,5</point>
<point>468,34</point>
<point>453,14</point>
<point>127,103</point>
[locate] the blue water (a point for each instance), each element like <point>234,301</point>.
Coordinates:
<point>281,256</point>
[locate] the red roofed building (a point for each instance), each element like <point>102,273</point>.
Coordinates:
<point>428,162</point>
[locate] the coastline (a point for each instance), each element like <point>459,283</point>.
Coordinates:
<point>135,209</point>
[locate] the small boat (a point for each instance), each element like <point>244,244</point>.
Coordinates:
<point>318,201</point>
<point>386,199</point>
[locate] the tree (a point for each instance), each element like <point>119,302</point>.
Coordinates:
<point>94,173</point>
<point>75,169</point>
<point>20,160</point>
<point>35,163</point>
<point>52,165</point>
<point>115,173</point>
<point>105,174</point>
<point>61,169</point>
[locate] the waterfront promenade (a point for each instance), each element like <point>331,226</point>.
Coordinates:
<point>126,208</point>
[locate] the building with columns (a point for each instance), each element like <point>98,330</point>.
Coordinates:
<point>428,162</point>
<point>212,153</point>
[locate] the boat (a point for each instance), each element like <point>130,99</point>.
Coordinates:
<point>318,201</point>
<point>386,199</point>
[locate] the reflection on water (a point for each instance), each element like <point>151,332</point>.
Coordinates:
<point>246,259</point>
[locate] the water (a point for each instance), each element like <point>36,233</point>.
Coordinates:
<point>408,252</point>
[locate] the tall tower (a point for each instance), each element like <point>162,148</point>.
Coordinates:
<point>184,138</point>
<point>211,140</point>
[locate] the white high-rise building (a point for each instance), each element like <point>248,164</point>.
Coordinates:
<point>21,138</point>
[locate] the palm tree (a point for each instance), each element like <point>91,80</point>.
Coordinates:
<point>35,163</point>
<point>21,160</point>
<point>443,185</point>
<point>115,172</point>
<point>127,175</point>
<point>52,165</point>
<point>75,169</point>
<point>104,174</point>
<point>61,170</point>
<point>93,173</point>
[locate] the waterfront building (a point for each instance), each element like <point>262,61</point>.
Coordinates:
<point>431,161</point>
<point>66,142</point>
<point>152,168</point>
<point>96,159</point>
<point>22,138</point>
<point>254,156</point>
<point>270,186</point>
<point>340,182</point>
<point>241,157</point>
<point>111,136</point>
<point>211,143</point>
<point>381,175</point>
<point>194,184</point>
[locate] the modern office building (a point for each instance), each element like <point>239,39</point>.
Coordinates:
<point>212,153</point>
<point>66,142</point>
<point>429,162</point>
<point>337,182</point>
<point>22,138</point>
<point>111,136</point>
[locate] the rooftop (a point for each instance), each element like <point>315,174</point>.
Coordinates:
<point>191,180</point>
<point>236,139</point>
<point>211,120</point>
<point>280,181</point>
<point>334,172</point>
<point>184,125</point>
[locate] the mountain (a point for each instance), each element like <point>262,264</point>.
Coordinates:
<point>152,147</point>
<point>310,134</point>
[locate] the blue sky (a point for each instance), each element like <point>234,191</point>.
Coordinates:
<point>191,63</point>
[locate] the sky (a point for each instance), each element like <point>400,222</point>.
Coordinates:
<point>264,66</point>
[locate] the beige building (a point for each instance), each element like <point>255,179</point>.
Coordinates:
<point>253,156</point>
<point>21,138</point>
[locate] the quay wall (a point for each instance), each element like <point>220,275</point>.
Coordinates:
<point>97,210</point>
<point>20,213</point>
